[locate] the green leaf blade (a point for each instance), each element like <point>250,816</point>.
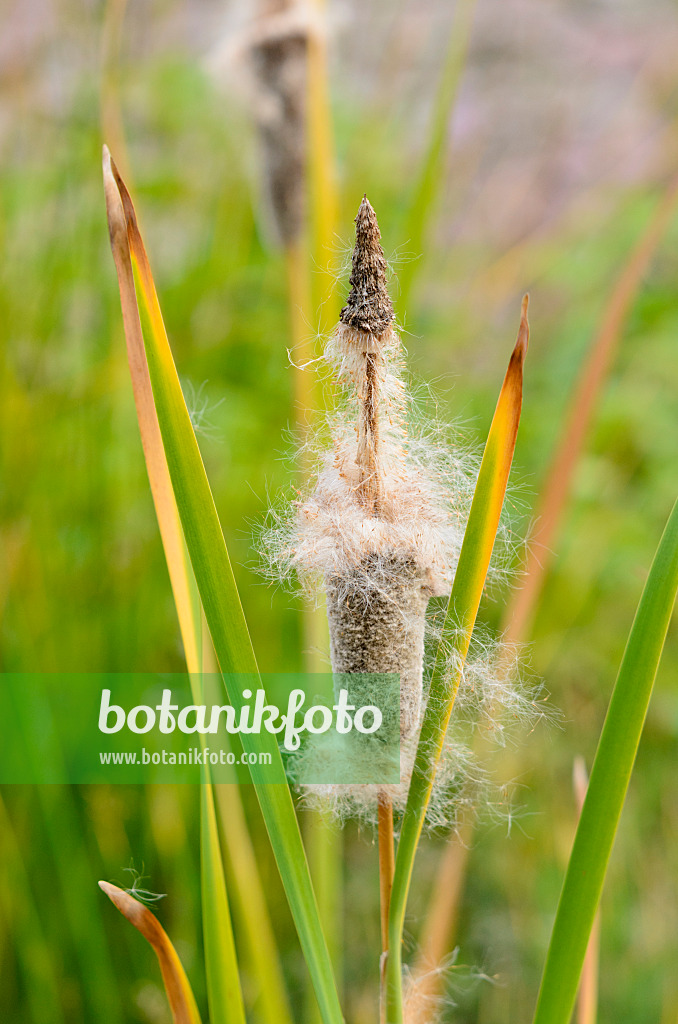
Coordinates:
<point>608,784</point>
<point>223,609</point>
<point>469,582</point>
<point>223,980</point>
<point>250,908</point>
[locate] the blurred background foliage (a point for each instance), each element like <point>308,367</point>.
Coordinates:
<point>560,146</point>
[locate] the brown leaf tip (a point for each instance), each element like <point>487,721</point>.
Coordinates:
<point>524,329</point>
<point>368,307</point>
<point>117,229</point>
<point>135,912</point>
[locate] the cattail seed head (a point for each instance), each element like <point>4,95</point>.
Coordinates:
<point>377,598</point>
<point>379,528</point>
<point>382,633</point>
<point>379,532</point>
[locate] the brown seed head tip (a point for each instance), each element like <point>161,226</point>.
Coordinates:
<point>368,307</point>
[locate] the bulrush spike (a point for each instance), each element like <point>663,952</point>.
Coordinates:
<point>381,527</point>
<point>368,307</point>
<point>376,600</point>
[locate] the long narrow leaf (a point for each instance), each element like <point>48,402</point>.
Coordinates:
<point>587,999</point>
<point>462,610</point>
<point>250,909</point>
<point>224,992</point>
<point>151,439</point>
<point>608,784</point>
<point>247,889</point>
<point>223,984</point>
<point>177,987</point>
<point>222,606</point>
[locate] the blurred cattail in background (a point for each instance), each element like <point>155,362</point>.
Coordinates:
<point>278,54</point>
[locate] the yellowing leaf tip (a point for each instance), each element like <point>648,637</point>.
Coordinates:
<point>138,915</point>
<point>523,338</point>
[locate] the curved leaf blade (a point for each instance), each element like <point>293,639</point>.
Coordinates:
<point>177,986</point>
<point>250,908</point>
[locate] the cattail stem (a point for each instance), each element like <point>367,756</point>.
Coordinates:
<point>369,489</point>
<point>386,868</point>
<point>386,861</point>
